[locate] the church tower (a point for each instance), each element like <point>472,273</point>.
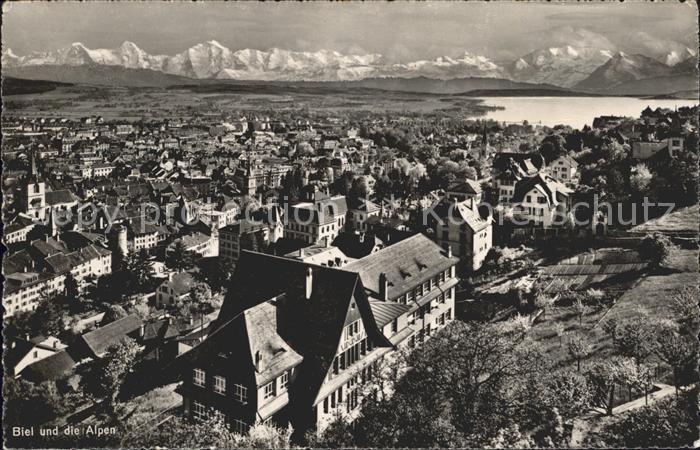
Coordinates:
<point>35,193</point>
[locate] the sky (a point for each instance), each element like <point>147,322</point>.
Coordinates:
<point>401,31</point>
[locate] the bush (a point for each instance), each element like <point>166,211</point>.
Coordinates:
<point>655,248</point>
<point>668,423</point>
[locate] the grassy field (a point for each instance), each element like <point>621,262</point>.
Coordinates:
<point>685,219</point>
<point>646,294</point>
<point>133,103</point>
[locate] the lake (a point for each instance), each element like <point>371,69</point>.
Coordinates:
<point>573,111</point>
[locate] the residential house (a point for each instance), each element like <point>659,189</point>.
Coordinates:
<point>359,212</point>
<point>541,201</point>
<point>316,219</point>
<point>175,289</point>
<point>466,190</point>
<point>463,230</point>
<point>244,235</point>
<point>299,347</point>
<point>564,169</point>
<point>96,343</point>
<point>21,353</point>
<point>508,168</point>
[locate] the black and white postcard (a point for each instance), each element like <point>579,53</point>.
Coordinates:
<point>350,224</point>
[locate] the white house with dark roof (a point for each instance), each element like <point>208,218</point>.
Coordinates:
<point>322,217</point>
<point>176,288</point>
<point>460,227</point>
<point>541,201</point>
<point>564,169</point>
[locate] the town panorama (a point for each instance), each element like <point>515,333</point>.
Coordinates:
<point>316,225</point>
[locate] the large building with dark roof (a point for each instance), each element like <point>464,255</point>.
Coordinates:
<point>298,343</point>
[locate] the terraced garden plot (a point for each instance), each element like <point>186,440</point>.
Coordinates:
<point>593,269</point>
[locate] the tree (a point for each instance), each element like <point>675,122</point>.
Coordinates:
<point>679,351</point>
<point>214,272</point>
<point>578,349</point>
<point>359,189</point>
<point>655,248</point>
<point>178,258</point>
<point>633,338</point>
<point>179,432</point>
<point>640,178</point>
<point>104,377</point>
<point>670,423</point>
<point>610,327</point>
<point>201,301</point>
<point>465,384</point>
<point>48,317</point>
<point>571,392</point>
<point>140,268</point>
<point>581,309</point>
<point>542,301</point>
<point>336,435</point>
<point>27,404</point>
<point>559,329</point>
<point>70,287</point>
<point>684,304</point>
<point>601,379</point>
<point>112,313</point>
<point>552,147</point>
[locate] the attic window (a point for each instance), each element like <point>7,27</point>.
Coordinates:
<point>280,350</point>
<point>404,273</point>
<point>421,265</point>
<point>352,305</point>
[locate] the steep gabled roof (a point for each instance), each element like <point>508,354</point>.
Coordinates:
<point>551,188</point>
<point>405,264</point>
<point>385,312</point>
<point>276,356</point>
<point>99,340</point>
<point>267,308</point>
<point>467,187</point>
<point>50,368</point>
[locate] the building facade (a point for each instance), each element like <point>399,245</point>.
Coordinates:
<point>301,346</point>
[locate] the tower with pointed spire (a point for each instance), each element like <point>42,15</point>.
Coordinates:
<point>484,150</point>
<point>35,192</point>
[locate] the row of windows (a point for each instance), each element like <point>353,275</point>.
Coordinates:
<point>351,398</point>
<point>350,356</point>
<point>240,393</point>
<point>201,412</point>
<point>528,199</point>
<point>270,389</point>
<point>424,288</point>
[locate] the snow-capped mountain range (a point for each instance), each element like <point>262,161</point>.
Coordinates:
<point>212,60</point>
<point>566,66</point>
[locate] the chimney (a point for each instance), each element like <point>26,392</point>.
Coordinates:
<point>301,252</point>
<point>383,286</point>
<point>55,344</point>
<point>448,251</point>
<point>309,282</point>
<point>338,261</point>
<point>362,238</point>
<point>327,241</point>
<point>142,330</point>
